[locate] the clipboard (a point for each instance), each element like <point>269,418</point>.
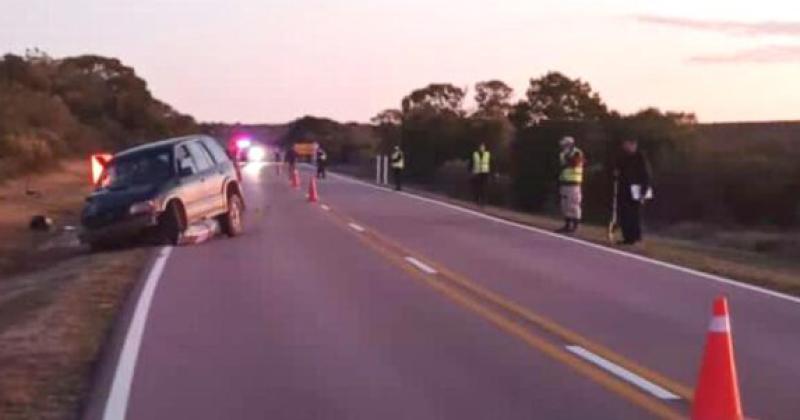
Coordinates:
<point>636,192</point>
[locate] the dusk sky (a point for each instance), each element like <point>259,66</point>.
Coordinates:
<point>275,60</point>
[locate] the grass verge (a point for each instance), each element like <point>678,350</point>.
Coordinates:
<point>57,301</point>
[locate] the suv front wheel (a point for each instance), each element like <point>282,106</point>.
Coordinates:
<point>171,224</point>
<point>231,222</point>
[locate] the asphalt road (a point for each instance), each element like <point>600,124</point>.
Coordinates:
<point>381,305</point>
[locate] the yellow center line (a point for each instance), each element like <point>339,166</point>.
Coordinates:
<point>548,325</point>
<point>469,297</point>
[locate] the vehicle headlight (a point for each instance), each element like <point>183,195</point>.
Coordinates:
<point>148,206</point>
<point>256,154</point>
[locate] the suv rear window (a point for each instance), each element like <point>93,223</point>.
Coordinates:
<point>201,157</point>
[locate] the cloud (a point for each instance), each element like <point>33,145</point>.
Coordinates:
<point>784,28</point>
<point>766,54</point>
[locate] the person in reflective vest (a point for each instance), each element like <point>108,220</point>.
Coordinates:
<point>398,162</point>
<point>481,168</point>
<point>322,163</point>
<point>570,181</point>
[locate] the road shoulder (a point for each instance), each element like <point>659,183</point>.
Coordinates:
<point>749,269</point>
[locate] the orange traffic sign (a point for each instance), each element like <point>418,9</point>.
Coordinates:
<point>305,149</point>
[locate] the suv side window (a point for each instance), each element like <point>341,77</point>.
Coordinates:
<point>210,155</point>
<point>201,157</point>
<point>216,150</point>
<point>185,160</point>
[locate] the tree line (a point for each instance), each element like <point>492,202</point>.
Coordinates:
<point>438,134</point>
<point>54,108</point>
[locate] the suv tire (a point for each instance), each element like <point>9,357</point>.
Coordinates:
<point>171,224</point>
<point>231,221</point>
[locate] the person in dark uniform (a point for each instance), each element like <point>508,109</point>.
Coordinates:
<point>322,163</point>
<point>291,159</point>
<point>632,173</point>
<point>278,163</point>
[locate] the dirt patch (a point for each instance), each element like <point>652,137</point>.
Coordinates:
<point>59,195</point>
<point>57,301</point>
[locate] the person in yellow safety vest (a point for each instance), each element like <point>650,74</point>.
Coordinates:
<point>398,162</point>
<point>481,168</point>
<point>570,180</point>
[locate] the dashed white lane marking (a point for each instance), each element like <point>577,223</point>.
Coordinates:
<point>640,258</point>
<point>623,373</point>
<point>117,403</point>
<point>421,265</point>
<point>325,207</point>
<point>355,227</point>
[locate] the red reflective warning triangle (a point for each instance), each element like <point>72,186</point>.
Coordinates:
<point>98,162</point>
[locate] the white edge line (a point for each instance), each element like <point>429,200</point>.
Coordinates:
<point>325,207</point>
<point>355,227</point>
<point>117,403</point>
<point>623,373</point>
<point>420,265</point>
<point>697,273</point>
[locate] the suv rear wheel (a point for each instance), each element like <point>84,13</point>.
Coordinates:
<point>231,222</point>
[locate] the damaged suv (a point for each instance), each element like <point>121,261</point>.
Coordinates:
<point>163,188</point>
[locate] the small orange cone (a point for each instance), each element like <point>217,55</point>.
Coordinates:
<point>312,191</point>
<point>717,394</point>
<point>295,176</point>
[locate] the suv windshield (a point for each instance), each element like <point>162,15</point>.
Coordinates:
<point>147,167</point>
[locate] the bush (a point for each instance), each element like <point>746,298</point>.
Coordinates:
<point>55,108</point>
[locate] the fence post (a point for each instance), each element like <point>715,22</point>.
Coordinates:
<point>386,170</point>
<point>378,169</point>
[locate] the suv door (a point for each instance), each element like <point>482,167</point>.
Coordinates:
<point>209,202</point>
<point>219,177</point>
<point>190,187</point>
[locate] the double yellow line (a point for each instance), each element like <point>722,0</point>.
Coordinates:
<point>520,322</point>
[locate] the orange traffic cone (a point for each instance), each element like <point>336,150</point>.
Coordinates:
<point>717,394</point>
<point>295,179</point>
<point>312,191</point>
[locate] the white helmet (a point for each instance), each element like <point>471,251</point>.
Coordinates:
<point>566,141</point>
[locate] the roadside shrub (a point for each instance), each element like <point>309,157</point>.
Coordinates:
<point>55,108</point>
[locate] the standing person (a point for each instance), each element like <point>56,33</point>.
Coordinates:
<point>481,167</point>
<point>277,157</point>
<point>322,163</point>
<point>291,159</point>
<point>570,181</point>
<point>632,173</point>
<point>398,161</point>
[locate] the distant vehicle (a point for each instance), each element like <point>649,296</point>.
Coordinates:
<point>163,188</point>
<point>239,147</point>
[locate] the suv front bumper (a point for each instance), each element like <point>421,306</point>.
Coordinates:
<point>126,228</point>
